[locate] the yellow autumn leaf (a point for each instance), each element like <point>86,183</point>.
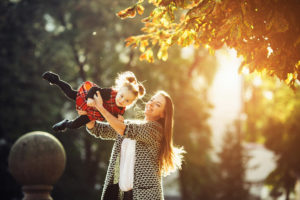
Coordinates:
<point>289,78</point>
<point>295,75</point>
<point>146,19</point>
<point>169,40</point>
<point>143,56</point>
<point>143,45</point>
<point>211,51</point>
<point>163,52</point>
<point>147,55</point>
<point>164,56</point>
<point>182,39</point>
<point>128,12</point>
<point>140,9</point>
<point>164,21</point>
<point>129,41</point>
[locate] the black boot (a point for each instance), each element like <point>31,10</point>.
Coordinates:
<point>51,77</point>
<point>60,126</point>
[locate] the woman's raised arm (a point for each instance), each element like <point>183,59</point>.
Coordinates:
<point>100,129</point>
<point>115,123</point>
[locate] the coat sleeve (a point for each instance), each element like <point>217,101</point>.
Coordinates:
<point>103,130</point>
<point>147,132</point>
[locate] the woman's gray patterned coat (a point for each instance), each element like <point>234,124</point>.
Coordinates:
<point>147,183</point>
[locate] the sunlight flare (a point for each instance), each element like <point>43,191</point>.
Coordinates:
<point>268,94</point>
<point>225,94</point>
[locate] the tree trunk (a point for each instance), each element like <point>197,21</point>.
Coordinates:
<point>287,196</point>
<point>87,142</point>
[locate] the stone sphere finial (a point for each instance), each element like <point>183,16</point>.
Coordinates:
<point>37,160</point>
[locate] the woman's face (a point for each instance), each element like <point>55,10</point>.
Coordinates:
<point>155,107</point>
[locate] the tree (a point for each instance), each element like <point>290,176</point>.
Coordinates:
<point>232,167</point>
<point>22,96</point>
<point>81,40</point>
<point>68,38</point>
<point>265,33</point>
<point>277,128</point>
<point>283,139</point>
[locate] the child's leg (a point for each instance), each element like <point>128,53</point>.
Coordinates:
<point>78,122</point>
<point>67,89</point>
<point>64,86</point>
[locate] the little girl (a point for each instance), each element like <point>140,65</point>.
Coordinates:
<point>125,93</point>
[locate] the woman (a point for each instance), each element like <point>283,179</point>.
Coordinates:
<point>143,150</point>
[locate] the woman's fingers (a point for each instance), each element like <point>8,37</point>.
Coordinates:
<point>121,118</point>
<point>98,95</point>
<point>90,125</point>
<point>98,98</point>
<point>90,102</point>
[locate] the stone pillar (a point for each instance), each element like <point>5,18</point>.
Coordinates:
<point>36,161</point>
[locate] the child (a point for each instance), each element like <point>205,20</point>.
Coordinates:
<point>125,93</point>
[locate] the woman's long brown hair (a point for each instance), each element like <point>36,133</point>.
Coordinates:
<point>170,157</point>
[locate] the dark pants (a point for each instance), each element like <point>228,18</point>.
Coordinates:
<point>67,89</point>
<point>128,195</point>
<point>72,94</point>
<point>78,122</point>
<point>113,193</point>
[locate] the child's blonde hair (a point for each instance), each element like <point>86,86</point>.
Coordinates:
<point>128,79</point>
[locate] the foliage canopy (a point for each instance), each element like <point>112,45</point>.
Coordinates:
<point>266,33</point>
<point>278,128</point>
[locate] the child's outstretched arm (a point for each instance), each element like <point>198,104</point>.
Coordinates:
<point>105,94</point>
<point>90,96</point>
<point>114,122</point>
<point>92,92</point>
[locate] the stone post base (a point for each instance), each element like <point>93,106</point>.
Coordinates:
<point>37,192</point>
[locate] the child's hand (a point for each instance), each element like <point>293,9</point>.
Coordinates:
<point>81,112</point>
<point>91,102</point>
<point>121,118</point>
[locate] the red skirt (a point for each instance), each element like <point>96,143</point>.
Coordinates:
<point>81,102</point>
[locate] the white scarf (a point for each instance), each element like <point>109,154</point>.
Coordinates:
<point>127,160</point>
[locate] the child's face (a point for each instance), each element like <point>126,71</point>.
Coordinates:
<point>124,97</point>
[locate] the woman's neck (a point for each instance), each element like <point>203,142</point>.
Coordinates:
<point>147,118</point>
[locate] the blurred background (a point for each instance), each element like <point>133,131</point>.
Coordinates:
<point>241,131</point>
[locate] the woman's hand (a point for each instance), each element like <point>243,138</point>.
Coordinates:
<point>98,99</point>
<point>81,112</point>
<point>121,118</point>
<point>90,125</point>
<point>115,123</point>
<point>91,102</point>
